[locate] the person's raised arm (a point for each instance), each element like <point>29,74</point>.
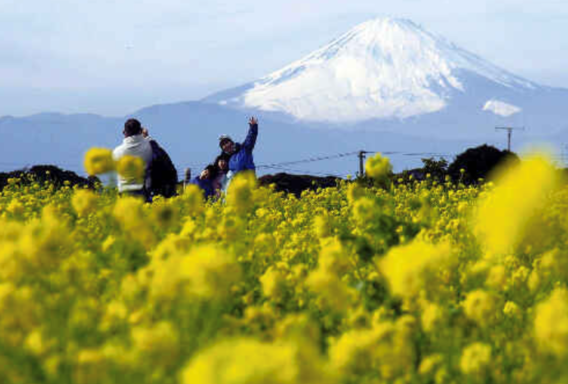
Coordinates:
<point>250,141</point>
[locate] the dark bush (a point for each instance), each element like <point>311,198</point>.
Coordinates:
<point>47,173</point>
<point>478,163</point>
<point>296,184</point>
<point>437,169</point>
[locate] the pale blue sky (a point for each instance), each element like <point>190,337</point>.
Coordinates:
<point>113,57</point>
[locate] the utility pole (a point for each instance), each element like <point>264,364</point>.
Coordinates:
<point>362,155</point>
<point>187,178</point>
<point>509,134</point>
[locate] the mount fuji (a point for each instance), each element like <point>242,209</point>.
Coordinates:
<point>386,85</point>
<point>384,68</point>
<point>392,74</point>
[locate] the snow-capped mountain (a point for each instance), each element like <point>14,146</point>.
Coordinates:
<point>381,69</point>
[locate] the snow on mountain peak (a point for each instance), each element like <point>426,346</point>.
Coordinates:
<point>382,68</point>
<point>501,108</point>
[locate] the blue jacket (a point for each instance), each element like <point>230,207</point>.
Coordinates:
<point>206,185</point>
<point>242,159</point>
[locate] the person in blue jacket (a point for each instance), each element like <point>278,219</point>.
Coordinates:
<point>205,181</point>
<point>241,154</point>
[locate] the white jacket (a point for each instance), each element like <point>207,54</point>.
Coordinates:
<point>135,145</point>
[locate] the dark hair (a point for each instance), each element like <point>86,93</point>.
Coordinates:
<point>225,140</point>
<point>132,127</point>
<point>212,171</point>
<point>223,156</point>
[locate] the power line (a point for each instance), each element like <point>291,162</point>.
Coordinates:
<point>306,171</point>
<point>309,160</point>
<point>321,158</point>
<point>382,152</point>
<point>360,154</point>
<point>427,154</point>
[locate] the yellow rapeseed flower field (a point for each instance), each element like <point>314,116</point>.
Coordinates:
<point>402,282</point>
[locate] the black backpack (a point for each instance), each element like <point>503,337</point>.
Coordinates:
<point>161,174</point>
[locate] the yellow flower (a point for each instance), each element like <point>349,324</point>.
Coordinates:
<point>354,192</point>
<point>300,328</point>
<point>432,315</point>
<point>475,359</point>
<point>91,367</point>
<point>511,309</point>
<point>322,226</point>
<point>129,212</point>
<point>410,268</point>
<point>206,272</point>
<point>253,362</point>
<point>164,214</point>
<point>108,243</point>
<point>157,343</point>
<point>551,323</point>
<point>503,215</point>
<point>84,202</point>
<point>193,199</point>
<point>353,351</point>
<point>364,210</point>
<point>131,168</point>
<point>430,363</point>
<point>497,277</point>
<point>36,343</point>
<point>230,227</point>
<point>480,306</point>
<point>331,292</point>
<point>273,283</point>
<point>116,312</point>
<point>240,194</point>
<point>334,258</point>
<point>16,208</point>
<point>98,161</point>
<point>378,167</point>
<point>386,348</point>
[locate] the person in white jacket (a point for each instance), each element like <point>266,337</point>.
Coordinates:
<point>134,144</point>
